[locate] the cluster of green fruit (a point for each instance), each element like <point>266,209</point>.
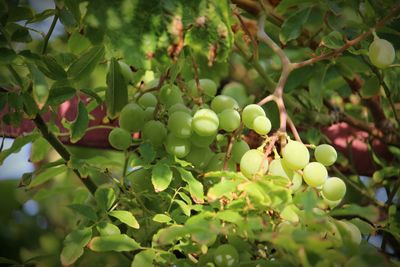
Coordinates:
<point>164,119</point>
<point>295,165</point>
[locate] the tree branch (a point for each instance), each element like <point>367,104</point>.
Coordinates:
<point>350,43</point>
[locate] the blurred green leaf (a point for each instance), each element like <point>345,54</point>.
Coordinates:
<point>125,217</point>
<point>370,213</point>
<point>293,25</point>
<point>84,210</point>
<point>16,146</point>
<point>80,124</point>
<point>144,258</point>
<point>167,235</point>
<point>60,94</point>
<point>46,175</point>
<point>42,16</point>
<point>77,43</point>
<point>84,65</point>
<point>50,67</point>
<point>119,243</point>
<point>40,149</point>
<point>40,87</point>
<point>70,254</point>
<point>333,40</point>
<point>7,55</point>
<point>161,218</point>
<point>105,197</point>
<point>117,90</point>
<point>224,188</point>
<point>106,228</point>
<point>371,87</point>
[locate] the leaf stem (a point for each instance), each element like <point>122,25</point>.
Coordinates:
<point>47,37</point>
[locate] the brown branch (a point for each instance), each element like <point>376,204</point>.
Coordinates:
<point>350,43</point>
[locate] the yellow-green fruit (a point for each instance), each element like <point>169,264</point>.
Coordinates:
<point>119,138</point>
<point>325,154</point>
<point>334,189</point>
<point>250,112</point>
<point>251,163</point>
<point>295,155</point>
<point>205,122</point>
<point>132,118</point>
<point>177,146</point>
<point>315,174</point>
<point>381,53</point>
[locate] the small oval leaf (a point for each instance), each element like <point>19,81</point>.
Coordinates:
<point>125,217</point>
<point>80,124</point>
<point>119,243</point>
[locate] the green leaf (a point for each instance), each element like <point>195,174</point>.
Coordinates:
<point>84,65</point>
<point>184,207</point>
<point>70,254</point>
<point>92,94</point>
<point>117,90</point>
<point>162,218</point>
<point>370,213</point>
<point>229,216</point>
<point>105,197</point>
<point>16,146</point>
<point>20,13</point>
<point>40,87</point>
<point>84,210</point>
<point>30,106</point>
<point>41,16</point>
<point>316,88</point>
<point>293,25</point>
<point>147,153</point>
<point>169,234</point>
<point>19,33</point>
<point>46,175</point>
<point>224,188</point>
<point>73,245</point>
<point>50,67</point>
<point>40,149</point>
<point>144,258</point>
<point>106,228</point>
<point>80,236</point>
<point>77,43</point>
<point>195,187</point>
<point>125,217</point>
<point>67,18</point>
<point>80,124</point>
<point>118,243</point>
<point>333,40</point>
<point>59,95</point>
<point>161,177</point>
<point>7,55</point>
<point>8,261</point>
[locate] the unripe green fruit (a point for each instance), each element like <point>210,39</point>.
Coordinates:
<point>295,155</point>
<point>170,95</point>
<point>180,124</point>
<point>381,53</point>
<point>250,112</point>
<point>132,117</point>
<point>222,102</point>
<point>315,174</point>
<point>155,132</point>
<point>177,146</point>
<point>229,120</point>
<point>251,163</point>
<point>205,122</point>
<point>208,86</point>
<point>334,189</point>
<point>201,141</point>
<point>226,256</point>
<point>147,100</point>
<point>262,125</point>
<point>236,91</point>
<point>119,139</point>
<point>217,163</point>
<point>238,149</point>
<point>178,107</point>
<point>325,154</point>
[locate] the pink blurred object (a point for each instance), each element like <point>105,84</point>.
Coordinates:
<point>68,110</point>
<point>352,142</point>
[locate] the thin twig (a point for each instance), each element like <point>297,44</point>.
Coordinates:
<point>350,43</point>
<point>47,37</point>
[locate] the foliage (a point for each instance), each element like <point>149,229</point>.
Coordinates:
<point>182,187</point>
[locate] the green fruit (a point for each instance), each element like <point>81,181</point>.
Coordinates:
<point>208,86</point>
<point>199,157</point>
<point>154,132</point>
<point>238,149</point>
<point>325,154</point>
<point>217,163</point>
<point>262,125</point>
<point>236,91</point>
<point>119,139</point>
<point>170,95</point>
<point>177,146</point>
<point>205,122</point>
<point>381,53</point>
<point>178,107</point>
<point>251,162</point>
<point>201,141</point>
<point>353,230</point>
<point>297,181</point>
<point>149,113</point>
<point>226,256</point>
<point>295,155</point>
<point>147,100</point>
<point>315,174</point>
<point>334,189</point>
<point>250,112</point>
<point>229,120</point>
<point>180,124</point>
<point>222,102</point>
<point>132,118</point>
<point>276,168</point>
